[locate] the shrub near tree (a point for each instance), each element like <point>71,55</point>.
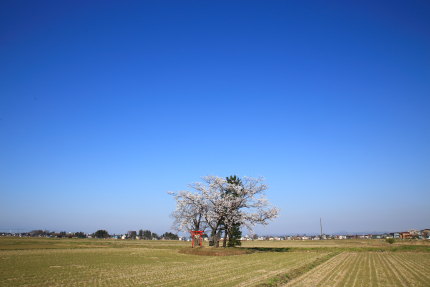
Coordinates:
<point>234,236</point>
<point>390,240</point>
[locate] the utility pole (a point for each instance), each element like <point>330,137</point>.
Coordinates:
<point>321,227</point>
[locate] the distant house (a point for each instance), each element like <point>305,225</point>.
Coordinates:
<point>425,233</point>
<point>395,235</point>
<point>405,235</point>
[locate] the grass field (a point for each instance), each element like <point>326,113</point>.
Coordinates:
<point>91,262</point>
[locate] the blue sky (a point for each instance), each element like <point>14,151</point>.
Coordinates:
<point>107,105</point>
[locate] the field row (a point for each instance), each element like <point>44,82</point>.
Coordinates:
<point>370,269</point>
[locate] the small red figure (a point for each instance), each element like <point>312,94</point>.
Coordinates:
<point>196,234</point>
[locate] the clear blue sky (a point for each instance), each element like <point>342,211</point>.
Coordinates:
<point>107,105</point>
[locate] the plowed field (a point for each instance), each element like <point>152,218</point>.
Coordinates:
<point>370,269</point>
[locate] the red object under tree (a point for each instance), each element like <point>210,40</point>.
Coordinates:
<point>196,234</point>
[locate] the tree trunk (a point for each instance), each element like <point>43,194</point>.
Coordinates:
<point>224,243</point>
<point>212,239</point>
<point>217,237</point>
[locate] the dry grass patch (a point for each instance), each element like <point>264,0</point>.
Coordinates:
<point>211,251</point>
<point>142,267</point>
<point>173,263</point>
